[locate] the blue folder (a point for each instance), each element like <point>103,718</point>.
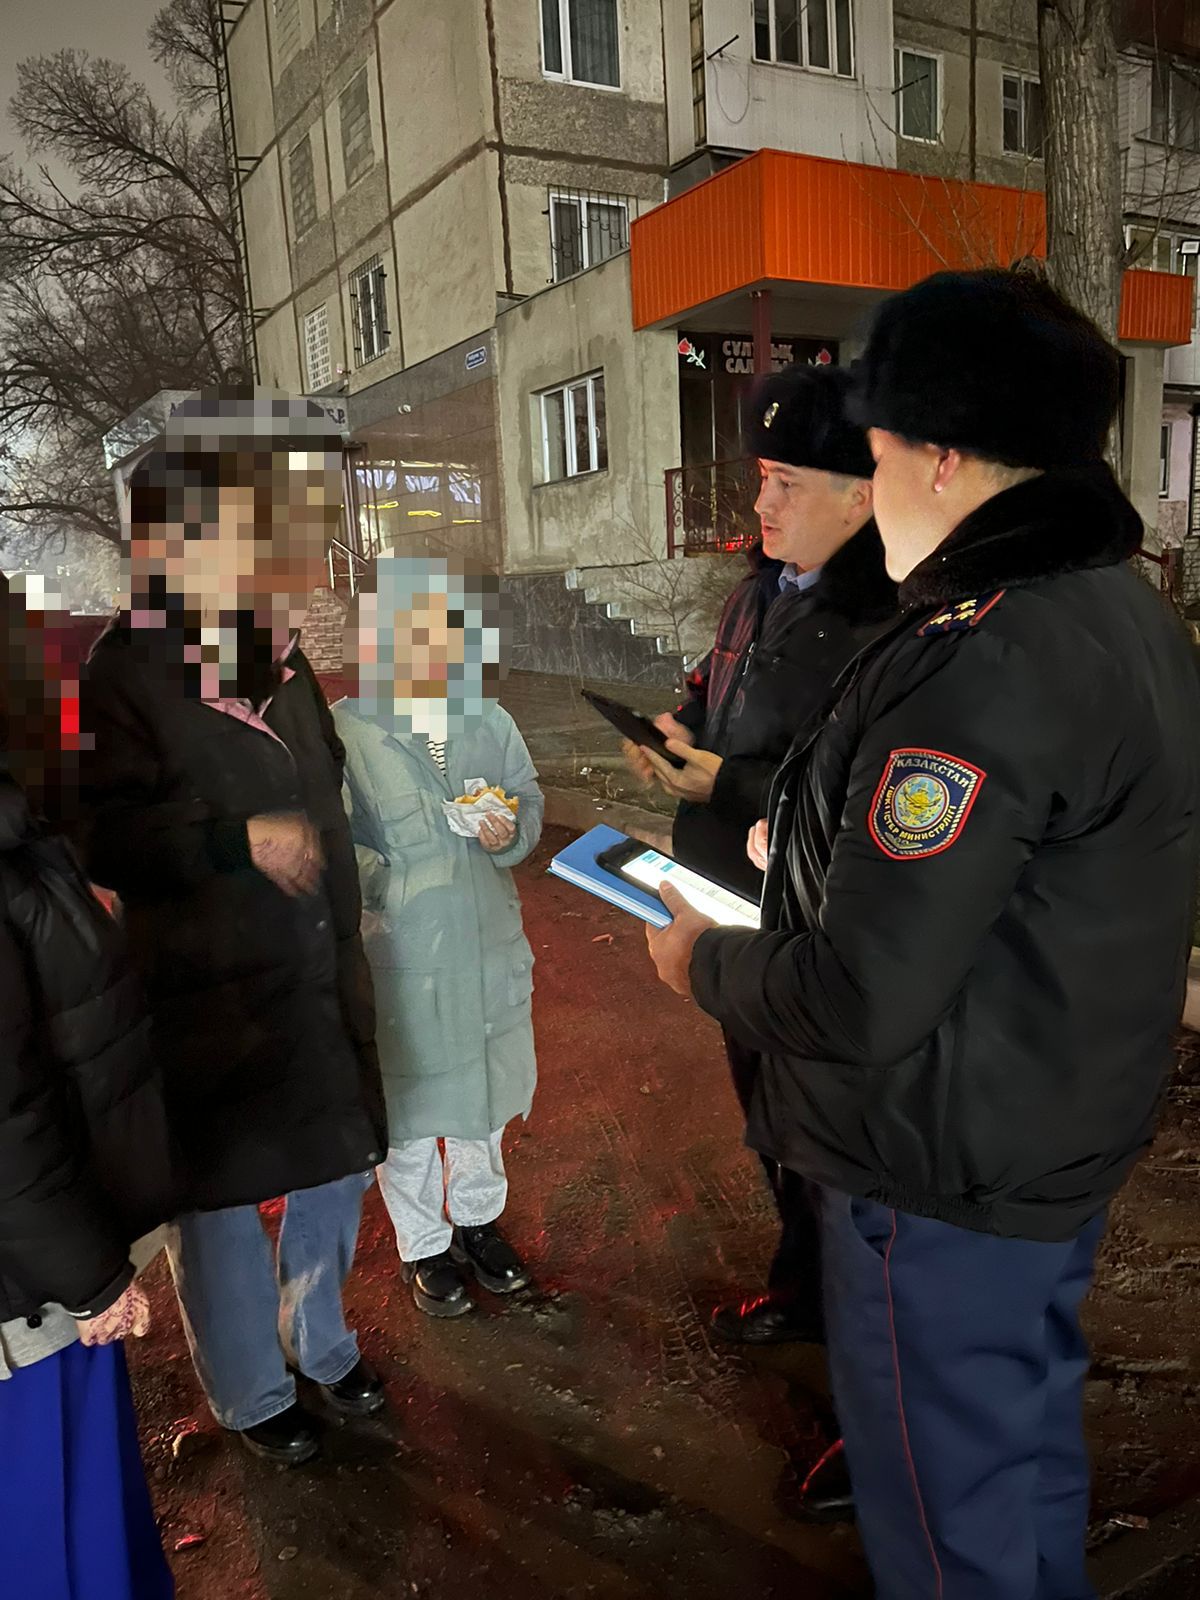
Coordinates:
<point>577,864</point>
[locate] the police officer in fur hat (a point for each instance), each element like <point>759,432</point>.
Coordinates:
<point>975,930</point>
<point>816,594</point>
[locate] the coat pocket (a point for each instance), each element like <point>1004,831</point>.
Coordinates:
<point>406,821</point>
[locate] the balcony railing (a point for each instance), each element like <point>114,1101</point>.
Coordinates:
<point>710,507</point>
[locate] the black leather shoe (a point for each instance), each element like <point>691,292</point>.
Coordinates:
<point>437,1286</point>
<point>771,1319</point>
<point>290,1439</point>
<point>826,1494</point>
<point>490,1257</point>
<point>358,1394</point>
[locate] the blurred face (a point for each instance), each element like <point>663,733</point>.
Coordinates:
<point>260,544</point>
<point>426,639</point>
<point>806,515</point>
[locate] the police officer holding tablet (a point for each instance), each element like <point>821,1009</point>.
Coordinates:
<point>976,924</point>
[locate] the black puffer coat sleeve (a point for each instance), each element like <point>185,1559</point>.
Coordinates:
<point>898,936</point>
<point>133,840</point>
<point>60,1237</point>
<point>694,710</point>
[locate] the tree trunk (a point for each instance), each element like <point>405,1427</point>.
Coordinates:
<point>1077,46</point>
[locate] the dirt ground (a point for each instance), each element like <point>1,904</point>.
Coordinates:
<point>587,1437</point>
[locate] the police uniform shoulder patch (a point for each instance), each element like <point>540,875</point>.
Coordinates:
<point>958,618</point>
<point>922,803</point>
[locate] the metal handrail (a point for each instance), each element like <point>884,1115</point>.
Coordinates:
<point>355,565</point>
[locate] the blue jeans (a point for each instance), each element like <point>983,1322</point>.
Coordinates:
<point>958,1366</point>
<point>247,1316</point>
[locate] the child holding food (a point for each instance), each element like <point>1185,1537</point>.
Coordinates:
<point>444,802</point>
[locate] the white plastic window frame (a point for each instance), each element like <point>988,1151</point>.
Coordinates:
<point>566,392</point>
<point>832,70</point>
<point>566,75</point>
<point>902,50</point>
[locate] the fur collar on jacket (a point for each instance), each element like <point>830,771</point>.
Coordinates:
<point>1064,521</point>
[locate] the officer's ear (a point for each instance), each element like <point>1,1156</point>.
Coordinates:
<point>860,501</point>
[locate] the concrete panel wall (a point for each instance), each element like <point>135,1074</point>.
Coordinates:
<point>279,351</point>
<point>250,79</point>
<point>607,517</point>
<point>267,238</point>
<point>445,262</point>
<point>437,97</point>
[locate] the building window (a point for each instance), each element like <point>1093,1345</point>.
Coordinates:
<point>1175,105</point>
<point>806,33</point>
<point>585,229</point>
<point>574,429</point>
<point>1164,461</point>
<point>918,96</point>
<point>581,43</point>
<point>354,106</point>
<point>368,299</point>
<point>1024,129</point>
<point>287,30</point>
<point>302,184</point>
<point>318,363</point>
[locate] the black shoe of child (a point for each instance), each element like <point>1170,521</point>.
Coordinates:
<point>358,1394</point>
<point>437,1286</point>
<point>289,1439</point>
<point>491,1258</point>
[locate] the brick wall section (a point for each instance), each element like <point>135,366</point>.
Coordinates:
<point>322,634</point>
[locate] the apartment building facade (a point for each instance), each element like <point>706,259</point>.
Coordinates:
<point>539,248</point>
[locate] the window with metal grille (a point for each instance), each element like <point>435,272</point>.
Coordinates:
<point>368,299</point>
<point>318,362</point>
<point>1024,130</point>
<point>303,186</point>
<point>585,229</point>
<point>581,42</point>
<point>918,96</point>
<point>806,33</point>
<point>287,30</point>
<point>574,429</point>
<point>354,106</point>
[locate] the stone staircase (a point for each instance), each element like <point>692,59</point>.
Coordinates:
<point>675,604</point>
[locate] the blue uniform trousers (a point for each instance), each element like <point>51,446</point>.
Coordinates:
<point>76,1522</point>
<point>958,1367</point>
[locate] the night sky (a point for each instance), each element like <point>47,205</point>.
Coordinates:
<point>116,28</point>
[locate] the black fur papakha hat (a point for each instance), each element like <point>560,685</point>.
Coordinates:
<point>995,363</point>
<point>798,416</point>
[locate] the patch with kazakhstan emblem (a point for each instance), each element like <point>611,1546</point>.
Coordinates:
<point>922,803</point>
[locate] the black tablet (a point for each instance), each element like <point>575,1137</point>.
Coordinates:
<point>646,868</point>
<point>632,726</point>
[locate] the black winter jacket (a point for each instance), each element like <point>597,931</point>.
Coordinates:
<point>262,1006</point>
<point>85,1162</point>
<point>772,664</point>
<point>980,890</point>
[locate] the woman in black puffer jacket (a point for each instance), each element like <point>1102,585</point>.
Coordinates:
<point>85,1171</point>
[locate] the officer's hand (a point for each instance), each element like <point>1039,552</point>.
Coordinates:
<point>637,762</point>
<point>286,848</point>
<point>756,845</point>
<point>671,947</point>
<point>692,782</point>
<point>674,729</point>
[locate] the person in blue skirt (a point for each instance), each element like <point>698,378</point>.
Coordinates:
<point>85,1171</point>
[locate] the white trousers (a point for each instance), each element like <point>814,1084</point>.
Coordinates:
<point>427,1193</point>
